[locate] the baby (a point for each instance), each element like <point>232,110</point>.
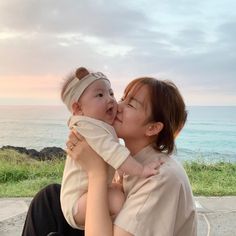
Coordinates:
<point>90,99</point>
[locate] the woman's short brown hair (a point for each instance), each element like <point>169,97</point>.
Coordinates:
<point>167,106</point>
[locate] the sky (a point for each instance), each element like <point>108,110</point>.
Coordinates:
<point>192,43</point>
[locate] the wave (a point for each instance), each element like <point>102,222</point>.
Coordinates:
<point>184,154</point>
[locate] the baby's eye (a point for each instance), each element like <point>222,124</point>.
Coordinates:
<point>99,95</point>
<point>112,94</point>
<point>130,105</point>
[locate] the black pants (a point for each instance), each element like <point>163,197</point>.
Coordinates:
<point>45,215</point>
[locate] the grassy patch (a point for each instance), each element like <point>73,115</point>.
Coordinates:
<point>216,179</point>
<point>21,176</point>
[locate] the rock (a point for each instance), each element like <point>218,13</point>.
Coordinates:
<point>22,150</point>
<point>33,153</point>
<point>52,152</point>
<point>46,153</point>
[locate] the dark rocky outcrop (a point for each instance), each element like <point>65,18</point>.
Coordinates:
<point>47,153</point>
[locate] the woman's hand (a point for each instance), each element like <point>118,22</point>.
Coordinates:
<point>79,150</point>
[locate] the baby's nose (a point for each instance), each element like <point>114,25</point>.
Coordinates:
<point>111,98</point>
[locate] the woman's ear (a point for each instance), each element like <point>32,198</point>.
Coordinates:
<point>77,108</point>
<point>154,128</point>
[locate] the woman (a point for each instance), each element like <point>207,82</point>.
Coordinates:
<point>150,115</point>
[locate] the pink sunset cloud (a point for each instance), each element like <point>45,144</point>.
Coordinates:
<point>30,89</point>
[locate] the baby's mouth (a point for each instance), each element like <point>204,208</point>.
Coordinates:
<point>110,111</point>
<point>117,119</point>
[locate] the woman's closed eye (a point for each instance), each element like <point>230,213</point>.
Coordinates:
<point>128,102</point>
<point>130,105</point>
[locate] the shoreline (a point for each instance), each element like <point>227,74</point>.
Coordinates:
<point>49,152</point>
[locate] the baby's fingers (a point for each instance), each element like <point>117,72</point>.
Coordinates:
<point>155,164</point>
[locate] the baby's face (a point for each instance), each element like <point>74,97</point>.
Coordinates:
<point>98,101</point>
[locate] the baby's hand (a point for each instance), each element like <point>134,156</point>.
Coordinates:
<point>151,168</point>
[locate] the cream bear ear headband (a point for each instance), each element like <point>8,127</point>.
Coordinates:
<point>83,78</point>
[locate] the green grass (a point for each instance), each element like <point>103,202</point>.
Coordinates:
<point>216,179</point>
<point>21,176</point>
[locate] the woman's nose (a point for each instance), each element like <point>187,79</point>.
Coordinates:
<point>119,106</point>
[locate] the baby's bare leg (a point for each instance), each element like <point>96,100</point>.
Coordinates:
<point>80,210</point>
<point>116,199</point>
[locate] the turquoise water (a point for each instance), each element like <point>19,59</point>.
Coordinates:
<point>209,134</point>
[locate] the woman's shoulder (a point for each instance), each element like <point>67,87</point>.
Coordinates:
<point>171,172</point>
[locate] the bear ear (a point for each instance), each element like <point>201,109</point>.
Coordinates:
<point>81,72</point>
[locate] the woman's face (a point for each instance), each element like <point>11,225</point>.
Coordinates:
<point>132,115</point>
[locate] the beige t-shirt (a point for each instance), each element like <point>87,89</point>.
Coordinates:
<point>103,139</point>
<point>161,205</point>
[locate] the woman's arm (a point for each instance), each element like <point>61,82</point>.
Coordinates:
<point>98,221</point>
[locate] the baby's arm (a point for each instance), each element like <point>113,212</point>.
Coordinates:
<point>107,146</point>
<point>132,167</point>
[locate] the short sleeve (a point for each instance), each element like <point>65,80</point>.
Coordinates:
<point>150,208</point>
<point>102,138</point>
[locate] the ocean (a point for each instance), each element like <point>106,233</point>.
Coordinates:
<point>209,134</point>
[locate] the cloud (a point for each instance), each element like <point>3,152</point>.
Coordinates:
<point>100,18</point>
<point>190,42</point>
<point>30,90</point>
<point>48,36</point>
